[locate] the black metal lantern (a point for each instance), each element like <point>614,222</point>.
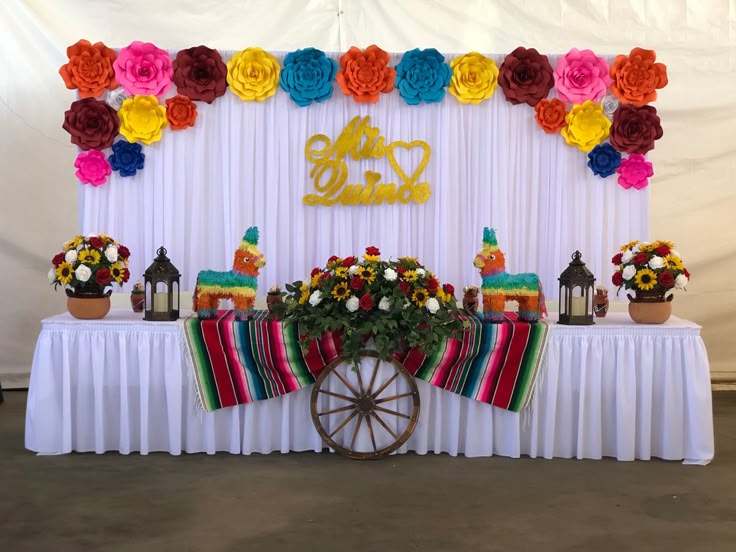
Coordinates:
<point>576,293</point>
<point>162,289</point>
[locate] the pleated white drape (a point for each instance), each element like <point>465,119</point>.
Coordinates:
<point>244,164</point>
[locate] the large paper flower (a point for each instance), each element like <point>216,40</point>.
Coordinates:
<point>634,129</point>
<point>550,115</point>
<point>636,76</point>
<point>422,75</point>
<point>142,119</point>
<point>526,76</point>
<point>474,78</point>
<point>200,73</point>
<point>91,123</point>
<point>253,74</point>
<point>603,160</point>
<point>89,69</point>
<point>92,167</point>
<point>587,126</point>
<point>581,75</point>
<point>126,158</point>
<point>365,74</point>
<point>307,76</point>
<point>143,68</point>
<point>181,112</point>
<point>634,172</point>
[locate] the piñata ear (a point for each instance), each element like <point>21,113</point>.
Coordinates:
<point>489,237</point>
<point>251,235</point>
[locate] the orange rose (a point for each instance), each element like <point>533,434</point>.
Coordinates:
<point>365,74</point>
<point>551,115</point>
<point>636,77</point>
<point>89,69</point>
<point>180,112</point>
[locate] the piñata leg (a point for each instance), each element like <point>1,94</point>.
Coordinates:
<point>493,304</point>
<point>243,306</point>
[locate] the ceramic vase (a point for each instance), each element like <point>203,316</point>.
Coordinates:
<point>650,307</point>
<point>88,307</point>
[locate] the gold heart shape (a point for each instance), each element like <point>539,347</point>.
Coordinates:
<point>408,146</point>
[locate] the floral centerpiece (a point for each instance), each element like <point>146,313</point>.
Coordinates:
<point>654,267</point>
<point>400,304</point>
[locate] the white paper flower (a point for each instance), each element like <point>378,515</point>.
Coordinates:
<point>316,298</point>
<point>627,256</point>
<point>115,98</point>
<point>390,274</point>
<point>52,275</point>
<point>385,303</point>
<point>352,304</point>
<point>111,253</point>
<point>353,270</point>
<point>71,256</point>
<point>83,273</point>
<point>656,263</point>
<point>433,305</point>
<point>629,272</point>
<point>609,103</point>
<point>681,281</point>
<point>420,272</point>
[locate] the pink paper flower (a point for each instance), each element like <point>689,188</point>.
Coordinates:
<point>581,75</point>
<point>143,69</point>
<point>634,172</point>
<point>92,167</point>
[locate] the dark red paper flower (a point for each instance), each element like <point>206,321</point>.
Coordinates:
<point>634,129</point>
<point>666,279</point>
<point>366,302</point>
<point>617,279</point>
<point>200,73</point>
<point>92,124</point>
<point>525,76</point>
<point>102,276</point>
<point>58,259</point>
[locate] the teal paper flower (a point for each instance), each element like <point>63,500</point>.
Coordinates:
<point>422,76</point>
<point>307,76</point>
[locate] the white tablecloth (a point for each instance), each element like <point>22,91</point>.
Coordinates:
<point>615,389</point>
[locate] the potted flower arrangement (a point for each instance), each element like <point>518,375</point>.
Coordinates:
<point>399,304</point>
<point>652,270</point>
<point>87,268</point>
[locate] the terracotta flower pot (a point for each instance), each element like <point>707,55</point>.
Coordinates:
<point>88,307</point>
<point>650,307</point>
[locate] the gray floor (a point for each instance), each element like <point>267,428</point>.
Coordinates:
<point>306,501</point>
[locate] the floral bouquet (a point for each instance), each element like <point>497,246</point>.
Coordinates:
<point>88,265</point>
<point>400,304</point>
<point>649,267</point>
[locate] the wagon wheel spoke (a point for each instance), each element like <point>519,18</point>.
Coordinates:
<point>341,409</point>
<point>355,433</point>
<point>373,376</point>
<point>346,383</point>
<point>394,397</point>
<point>386,383</point>
<point>338,395</point>
<point>392,412</point>
<point>385,426</point>
<point>370,429</point>
<point>344,423</point>
<point>360,382</point>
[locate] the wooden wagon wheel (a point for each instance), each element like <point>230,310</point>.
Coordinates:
<point>365,421</point>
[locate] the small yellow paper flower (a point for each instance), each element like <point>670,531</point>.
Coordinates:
<point>253,74</point>
<point>474,78</point>
<point>587,126</point>
<point>142,119</point>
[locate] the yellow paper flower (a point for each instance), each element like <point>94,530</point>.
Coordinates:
<point>646,279</point>
<point>411,276</point>
<point>629,245</point>
<point>420,297</point>
<point>340,291</point>
<point>253,74</point>
<point>117,272</point>
<point>587,126</point>
<point>89,256</point>
<point>304,294</point>
<point>142,119</point>
<point>367,274</point>
<point>474,78</point>
<point>341,272</point>
<point>64,273</point>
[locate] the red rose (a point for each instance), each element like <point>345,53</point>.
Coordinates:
<point>400,270</point>
<point>617,258</point>
<point>405,288</point>
<point>525,76</point>
<point>356,283</point>
<point>123,252</point>
<point>324,275</point>
<point>641,258</point>
<point>666,279</point>
<point>333,259</point>
<point>315,271</point>
<point>348,262</point>
<point>102,276</point>
<point>200,73</point>
<point>366,302</point>
<point>662,251</point>
<point>92,124</point>
<point>58,259</point>
<point>432,285</point>
<point>126,274</point>
<point>449,289</point>
<point>634,129</point>
<point>687,274</point>
<point>617,279</point>
<point>96,242</point>
<point>372,251</point>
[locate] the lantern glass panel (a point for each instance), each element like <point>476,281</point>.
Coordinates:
<point>175,293</point>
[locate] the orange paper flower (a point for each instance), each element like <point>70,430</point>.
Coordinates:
<point>636,77</point>
<point>89,69</point>
<point>550,115</point>
<point>181,112</point>
<point>365,74</point>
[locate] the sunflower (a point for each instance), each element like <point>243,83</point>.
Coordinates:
<point>646,279</point>
<point>442,296</point>
<point>673,262</point>
<point>117,271</point>
<point>371,258</point>
<point>304,291</point>
<point>89,256</point>
<point>64,273</point>
<point>420,297</point>
<point>315,280</point>
<point>411,276</point>
<point>409,260</point>
<point>646,247</point>
<point>629,245</point>
<point>73,244</point>
<point>341,272</point>
<point>367,273</point>
<point>667,244</point>
<point>340,291</point>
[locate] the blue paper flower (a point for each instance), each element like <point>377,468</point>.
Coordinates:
<point>126,158</point>
<point>422,75</point>
<point>307,76</point>
<point>603,160</point>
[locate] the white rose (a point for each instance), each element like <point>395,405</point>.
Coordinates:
<point>385,303</point>
<point>420,271</point>
<point>111,253</point>
<point>390,274</point>
<point>656,262</point>
<point>629,272</point>
<point>681,281</point>
<point>353,270</point>
<point>433,305</point>
<point>83,273</point>
<point>88,236</point>
<point>627,256</point>
<point>52,275</point>
<point>71,256</point>
<point>316,298</point>
<point>352,304</point>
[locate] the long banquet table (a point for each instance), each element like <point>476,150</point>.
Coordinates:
<point>615,389</point>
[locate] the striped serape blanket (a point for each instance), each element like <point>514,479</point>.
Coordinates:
<point>238,362</point>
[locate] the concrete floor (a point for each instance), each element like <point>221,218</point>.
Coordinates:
<point>323,502</point>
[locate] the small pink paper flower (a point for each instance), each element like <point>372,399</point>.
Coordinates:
<point>581,75</point>
<point>92,167</point>
<point>143,69</point>
<point>634,172</point>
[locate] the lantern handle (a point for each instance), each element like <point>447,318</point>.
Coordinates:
<point>576,256</point>
<point>161,251</point>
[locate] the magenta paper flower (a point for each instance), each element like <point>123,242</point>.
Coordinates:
<point>581,75</point>
<point>92,167</point>
<point>634,172</point>
<point>143,69</point>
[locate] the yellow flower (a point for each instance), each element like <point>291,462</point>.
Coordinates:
<point>341,272</point>
<point>420,297</point>
<point>629,245</point>
<point>411,276</point>
<point>64,273</point>
<point>442,296</point>
<point>89,256</point>
<point>253,74</point>
<point>142,119</point>
<point>117,272</point>
<point>409,260</point>
<point>340,291</point>
<point>74,243</point>
<point>646,247</point>
<point>673,262</point>
<point>474,78</point>
<point>646,279</point>
<point>304,297</point>
<point>371,258</point>
<point>667,244</point>
<point>315,280</point>
<point>367,274</point>
<point>587,126</point>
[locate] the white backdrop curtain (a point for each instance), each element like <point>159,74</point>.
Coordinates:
<point>244,164</point>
